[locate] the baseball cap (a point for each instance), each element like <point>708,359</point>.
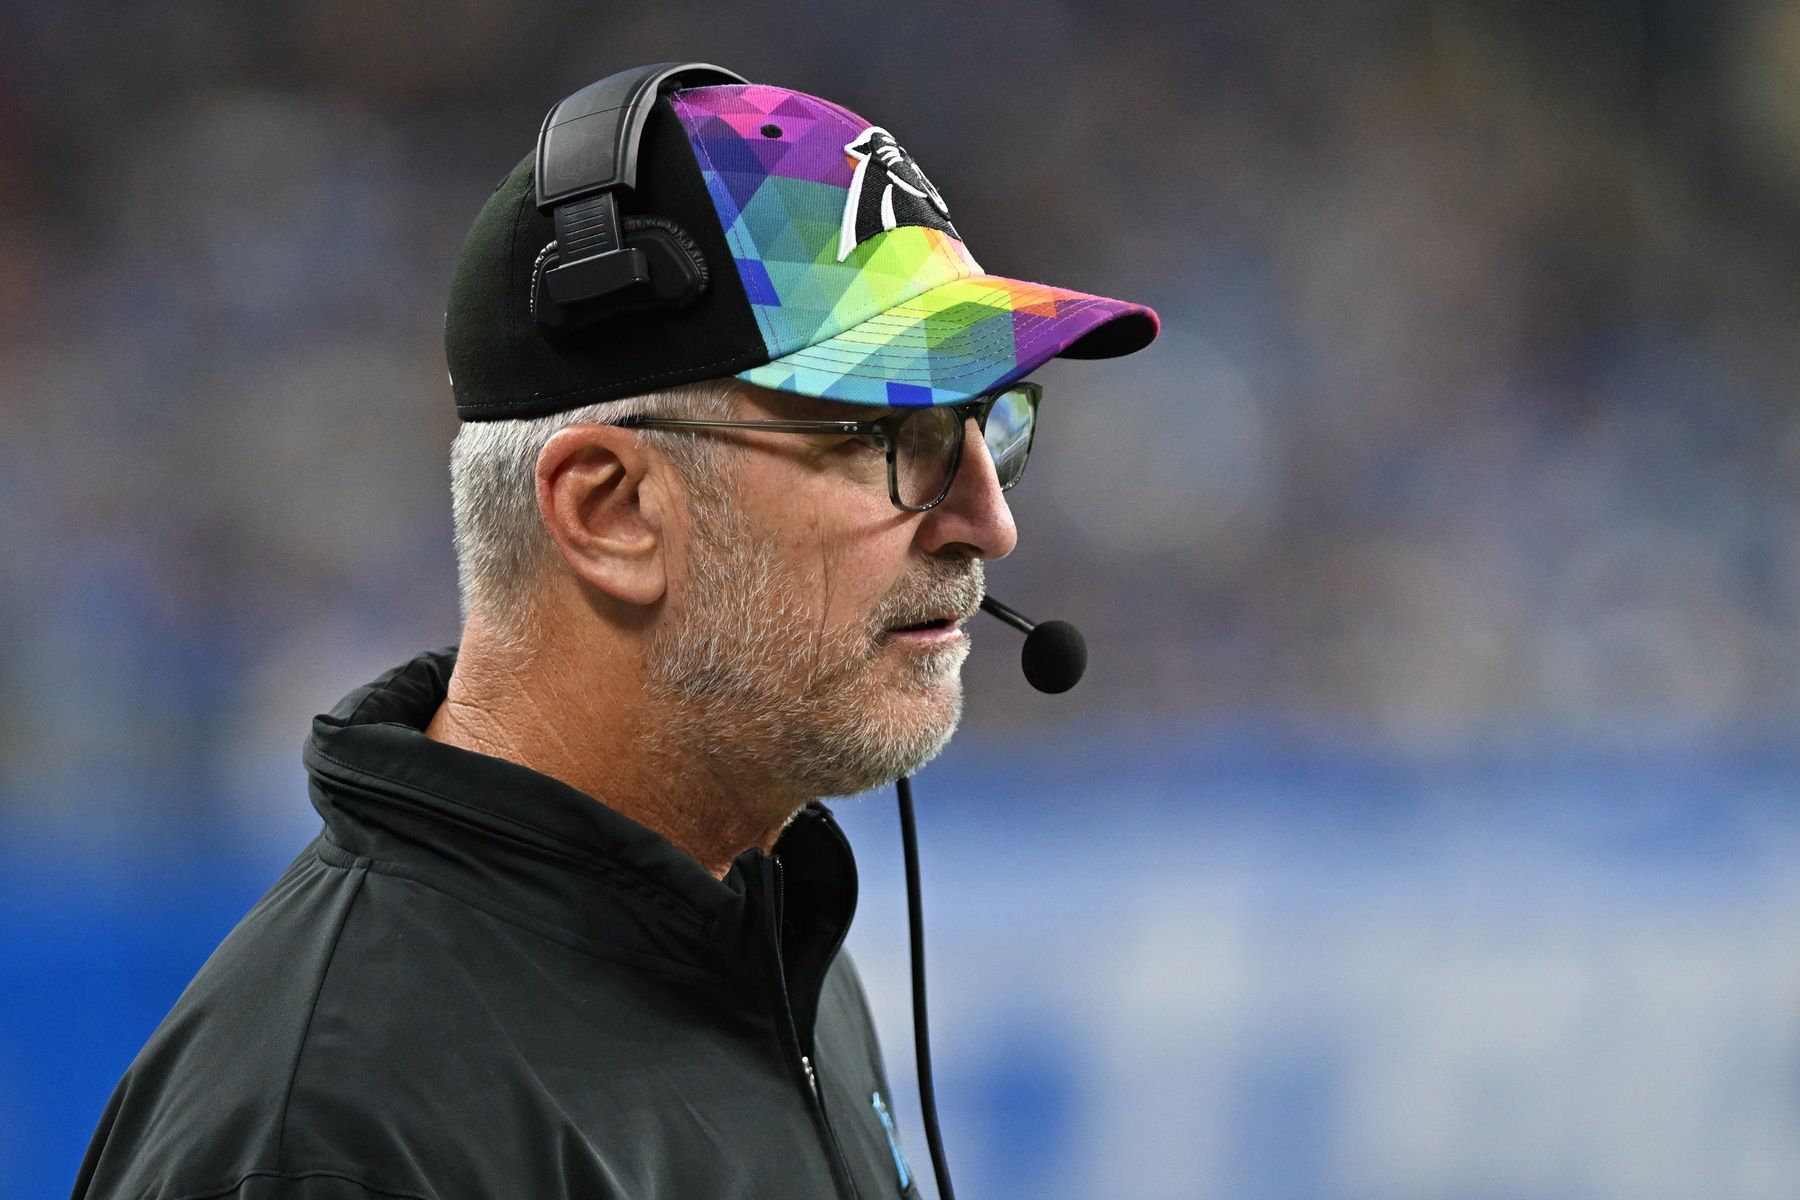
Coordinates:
<point>833,270</point>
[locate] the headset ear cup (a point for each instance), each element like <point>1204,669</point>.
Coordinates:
<point>678,273</point>
<point>678,277</point>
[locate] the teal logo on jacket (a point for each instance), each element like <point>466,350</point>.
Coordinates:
<point>893,1136</point>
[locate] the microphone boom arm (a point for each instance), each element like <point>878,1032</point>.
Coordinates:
<point>1011,616</point>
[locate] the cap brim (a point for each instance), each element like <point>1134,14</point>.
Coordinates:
<point>957,341</point>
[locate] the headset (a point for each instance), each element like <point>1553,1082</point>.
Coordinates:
<point>587,154</point>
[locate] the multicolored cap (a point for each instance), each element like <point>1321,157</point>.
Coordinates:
<point>836,272</point>
<point>862,288</point>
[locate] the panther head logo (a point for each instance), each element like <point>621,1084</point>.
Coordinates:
<point>888,191</point>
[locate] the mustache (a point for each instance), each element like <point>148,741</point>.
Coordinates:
<point>945,588</point>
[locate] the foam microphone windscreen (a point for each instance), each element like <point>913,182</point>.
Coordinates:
<point>1054,657</point>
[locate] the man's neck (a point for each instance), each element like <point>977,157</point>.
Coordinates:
<point>584,718</point>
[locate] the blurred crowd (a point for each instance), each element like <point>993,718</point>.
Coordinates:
<point>1472,418</point>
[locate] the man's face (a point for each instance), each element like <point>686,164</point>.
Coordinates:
<point>786,646</point>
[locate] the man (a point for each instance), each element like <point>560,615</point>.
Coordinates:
<point>573,924</point>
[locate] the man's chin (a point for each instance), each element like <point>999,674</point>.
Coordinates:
<point>898,737</point>
<point>929,722</point>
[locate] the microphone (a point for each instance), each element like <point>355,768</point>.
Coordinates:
<point>1055,654</point>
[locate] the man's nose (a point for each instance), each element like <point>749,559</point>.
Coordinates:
<point>973,519</point>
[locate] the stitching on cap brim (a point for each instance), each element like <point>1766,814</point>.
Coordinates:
<point>904,362</point>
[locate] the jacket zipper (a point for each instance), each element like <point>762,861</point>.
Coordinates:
<point>840,1169</point>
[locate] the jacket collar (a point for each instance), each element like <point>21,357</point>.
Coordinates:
<point>530,848</point>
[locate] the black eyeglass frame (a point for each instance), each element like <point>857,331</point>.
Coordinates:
<point>887,429</point>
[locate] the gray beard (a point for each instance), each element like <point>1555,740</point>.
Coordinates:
<point>764,696</point>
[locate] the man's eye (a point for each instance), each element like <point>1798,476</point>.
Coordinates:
<point>862,456</point>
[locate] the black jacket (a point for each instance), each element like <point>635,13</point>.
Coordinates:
<point>478,982</point>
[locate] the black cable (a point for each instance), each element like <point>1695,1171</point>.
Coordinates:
<point>915,924</point>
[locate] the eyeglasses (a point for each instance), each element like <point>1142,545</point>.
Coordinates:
<point>924,445</point>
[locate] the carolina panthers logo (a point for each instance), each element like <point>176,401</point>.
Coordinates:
<point>887,192</point>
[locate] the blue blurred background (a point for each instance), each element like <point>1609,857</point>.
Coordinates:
<point>1426,824</point>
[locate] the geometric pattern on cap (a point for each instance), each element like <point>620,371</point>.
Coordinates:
<point>907,318</point>
<point>950,344</point>
<point>781,204</point>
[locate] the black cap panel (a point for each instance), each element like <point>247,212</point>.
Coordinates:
<point>503,364</point>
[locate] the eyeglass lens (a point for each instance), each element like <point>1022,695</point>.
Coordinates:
<point>926,443</point>
<point>925,453</point>
<point>1008,434</point>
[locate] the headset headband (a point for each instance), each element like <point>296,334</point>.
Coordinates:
<point>588,150</point>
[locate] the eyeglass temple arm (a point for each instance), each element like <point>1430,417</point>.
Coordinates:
<point>772,426</point>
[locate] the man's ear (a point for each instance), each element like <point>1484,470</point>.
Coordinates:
<point>602,505</point>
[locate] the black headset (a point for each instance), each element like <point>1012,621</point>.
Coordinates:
<point>587,153</point>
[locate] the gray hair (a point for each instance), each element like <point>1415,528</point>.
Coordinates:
<point>502,547</point>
